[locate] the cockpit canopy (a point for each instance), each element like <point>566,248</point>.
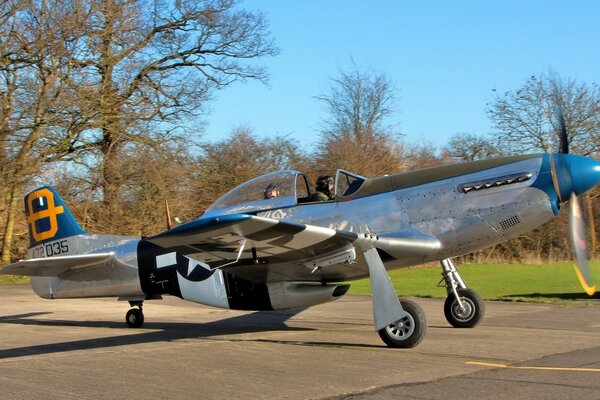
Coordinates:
<point>291,188</point>
<point>252,196</point>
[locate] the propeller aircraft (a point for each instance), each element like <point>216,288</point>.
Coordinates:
<point>250,251</point>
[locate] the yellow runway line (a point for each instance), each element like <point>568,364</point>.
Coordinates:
<point>533,368</point>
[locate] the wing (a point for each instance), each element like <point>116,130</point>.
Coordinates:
<point>55,266</point>
<point>267,249</point>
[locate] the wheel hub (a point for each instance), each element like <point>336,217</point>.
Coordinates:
<point>402,328</point>
<point>465,312</point>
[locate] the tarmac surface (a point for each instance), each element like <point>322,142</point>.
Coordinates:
<point>81,349</point>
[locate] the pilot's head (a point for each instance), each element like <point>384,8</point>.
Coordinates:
<point>325,184</point>
<point>271,191</point>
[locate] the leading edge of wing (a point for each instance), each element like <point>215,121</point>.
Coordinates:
<point>219,239</point>
<point>55,266</point>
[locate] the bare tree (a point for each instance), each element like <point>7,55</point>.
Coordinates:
<point>240,157</point>
<point>156,64</point>
<point>470,147</point>
<point>525,120</point>
<point>34,53</point>
<point>356,135</point>
<point>423,155</point>
<point>93,75</point>
<point>152,174</point>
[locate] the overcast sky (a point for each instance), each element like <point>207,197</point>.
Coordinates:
<point>444,59</point>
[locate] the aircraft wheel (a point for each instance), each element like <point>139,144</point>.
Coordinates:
<point>134,318</point>
<point>408,331</point>
<point>470,315</point>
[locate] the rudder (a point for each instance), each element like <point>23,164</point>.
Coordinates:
<point>48,218</point>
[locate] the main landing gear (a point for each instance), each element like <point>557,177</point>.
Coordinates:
<point>408,331</point>
<point>400,323</point>
<point>463,307</point>
<point>135,316</point>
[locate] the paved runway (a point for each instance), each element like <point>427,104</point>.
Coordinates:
<point>80,349</point>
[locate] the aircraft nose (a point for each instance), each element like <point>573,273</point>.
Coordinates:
<point>585,173</point>
<point>574,174</point>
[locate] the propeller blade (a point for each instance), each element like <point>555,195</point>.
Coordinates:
<point>578,242</point>
<point>168,215</point>
<point>562,131</point>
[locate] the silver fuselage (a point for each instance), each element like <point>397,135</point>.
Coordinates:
<point>465,211</point>
<point>463,222</point>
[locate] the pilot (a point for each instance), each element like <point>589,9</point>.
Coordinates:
<point>271,191</point>
<point>324,189</point>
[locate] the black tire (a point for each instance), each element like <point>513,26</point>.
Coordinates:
<point>407,332</point>
<point>471,316</point>
<point>134,318</point>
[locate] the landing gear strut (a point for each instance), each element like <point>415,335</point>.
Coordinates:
<point>135,316</point>
<point>463,307</point>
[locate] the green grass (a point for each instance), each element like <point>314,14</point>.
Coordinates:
<point>516,282</point>
<point>12,279</point>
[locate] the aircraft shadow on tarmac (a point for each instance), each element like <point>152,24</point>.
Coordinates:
<point>152,332</point>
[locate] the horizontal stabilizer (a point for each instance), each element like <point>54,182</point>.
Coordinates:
<point>55,266</point>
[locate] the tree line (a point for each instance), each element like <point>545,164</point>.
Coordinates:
<point>104,99</point>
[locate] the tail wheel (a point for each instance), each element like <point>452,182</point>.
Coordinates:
<point>470,314</point>
<point>134,318</point>
<point>408,331</point>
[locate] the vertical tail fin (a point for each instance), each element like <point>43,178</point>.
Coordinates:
<point>48,217</point>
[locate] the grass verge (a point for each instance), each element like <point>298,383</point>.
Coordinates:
<point>514,282</point>
<point>13,279</point>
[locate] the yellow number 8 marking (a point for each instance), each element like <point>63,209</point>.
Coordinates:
<point>50,212</point>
